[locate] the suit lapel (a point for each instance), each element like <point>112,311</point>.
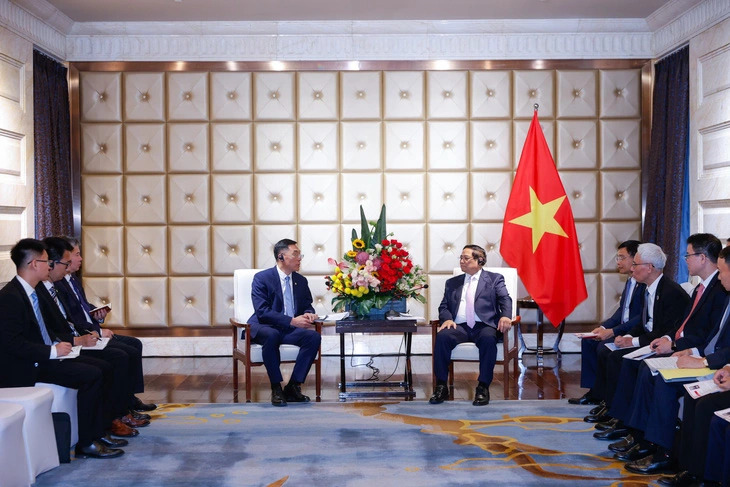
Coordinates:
<point>36,328</point>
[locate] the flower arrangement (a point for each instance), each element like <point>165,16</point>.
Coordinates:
<point>375,271</point>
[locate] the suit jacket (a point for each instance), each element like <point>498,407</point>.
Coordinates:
<point>705,316</point>
<point>670,302</point>
<point>720,355</point>
<point>635,307</point>
<point>74,308</point>
<point>21,342</point>
<point>52,315</point>
<point>268,300</point>
<point>491,300</point>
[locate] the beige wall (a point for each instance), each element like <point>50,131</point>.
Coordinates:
<point>16,146</point>
<point>187,176</point>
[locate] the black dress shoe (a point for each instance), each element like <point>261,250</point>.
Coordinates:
<point>636,452</point>
<point>440,394</point>
<point>139,416</point>
<point>651,464</point>
<point>612,433</point>
<point>682,479</point>
<point>293,393</point>
<point>594,410</point>
<point>138,405</point>
<point>481,396</point>
<point>607,425</point>
<point>107,440</point>
<point>277,396</point>
<point>623,445</point>
<point>584,399</point>
<point>600,417</point>
<point>97,450</point>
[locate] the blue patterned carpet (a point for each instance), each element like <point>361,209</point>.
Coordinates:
<point>508,443</point>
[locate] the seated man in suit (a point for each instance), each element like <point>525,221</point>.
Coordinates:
<point>284,315</point>
<point>28,349</point>
<point>81,313</point>
<point>665,304</point>
<point>625,318</point>
<point>475,306</point>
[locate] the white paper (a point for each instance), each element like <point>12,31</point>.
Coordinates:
<point>724,414</point>
<point>335,316</point>
<point>640,353</point>
<point>405,316</point>
<point>661,363</point>
<point>585,335</point>
<point>611,346</point>
<point>100,344</point>
<point>72,354</point>
<point>701,388</point>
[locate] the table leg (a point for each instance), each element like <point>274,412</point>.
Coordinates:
<point>409,370</point>
<point>540,349</point>
<point>343,386</point>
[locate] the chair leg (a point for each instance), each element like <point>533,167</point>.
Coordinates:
<point>318,378</point>
<point>505,376</point>
<point>248,381</point>
<point>451,381</point>
<point>235,379</point>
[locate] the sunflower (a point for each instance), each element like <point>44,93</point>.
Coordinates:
<point>352,254</point>
<point>358,244</point>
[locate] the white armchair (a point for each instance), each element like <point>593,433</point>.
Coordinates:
<point>468,352</point>
<point>249,353</point>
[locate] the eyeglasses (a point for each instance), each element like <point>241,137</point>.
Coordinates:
<point>49,262</point>
<point>634,264</point>
<point>687,256</point>
<point>621,258</point>
<point>465,258</point>
<point>66,264</point>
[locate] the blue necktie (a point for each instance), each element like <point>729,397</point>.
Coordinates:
<point>710,348</point>
<point>288,301</point>
<point>39,317</point>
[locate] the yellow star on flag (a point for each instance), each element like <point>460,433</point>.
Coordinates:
<point>541,218</point>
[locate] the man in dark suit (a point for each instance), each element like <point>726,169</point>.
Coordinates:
<point>28,349</point>
<point>81,313</point>
<point>625,318</point>
<point>664,307</point>
<point>475,306</point>
<point>284,315</point>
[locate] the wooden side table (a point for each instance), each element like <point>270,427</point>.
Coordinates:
<point>529,303</point>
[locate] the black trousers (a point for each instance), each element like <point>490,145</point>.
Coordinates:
<point>133,348</point>
<point>696,418</point>
<point>482,335</point>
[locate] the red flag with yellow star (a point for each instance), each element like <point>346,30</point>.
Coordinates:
<point>538,234</point>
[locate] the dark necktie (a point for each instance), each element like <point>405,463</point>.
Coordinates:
<point>39,317</point>
<point>710,348</point>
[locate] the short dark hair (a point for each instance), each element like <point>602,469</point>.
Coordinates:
<point>631,246</point>
<point>706,243</point>
<point>477,253</point>
<point>56,246</point>
<point>25,251</point>
<point>281,246</point>
<point>72,240</point>
<point>725,255</point>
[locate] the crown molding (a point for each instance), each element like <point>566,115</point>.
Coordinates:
<point>39,31</point>
<point>670,26</point>
<point>684,27</point>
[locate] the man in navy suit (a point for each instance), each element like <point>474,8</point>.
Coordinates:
<point>284,315</point>
<point>475,306</point>
<point>625,318</point>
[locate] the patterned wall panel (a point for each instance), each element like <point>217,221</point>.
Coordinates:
<point>187,176</point>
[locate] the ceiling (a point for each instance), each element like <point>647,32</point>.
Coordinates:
<point>294,10</point>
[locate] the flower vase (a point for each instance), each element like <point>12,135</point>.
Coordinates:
<point>398,305</point>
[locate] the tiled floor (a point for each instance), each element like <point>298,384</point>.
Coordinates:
<point>210,379</point>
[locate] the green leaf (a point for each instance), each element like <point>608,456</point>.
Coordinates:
<point>354,234</point>
<point>380,232</point>
<point>364,228</point>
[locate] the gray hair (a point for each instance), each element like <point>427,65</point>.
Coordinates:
<point>652,254</point>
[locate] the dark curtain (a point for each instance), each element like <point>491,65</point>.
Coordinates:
<point>52,135</point>
<point>665,169</point>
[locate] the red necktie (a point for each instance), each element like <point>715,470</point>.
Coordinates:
<point>700,290</point>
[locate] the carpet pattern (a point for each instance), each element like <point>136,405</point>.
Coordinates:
<point>508,443</point>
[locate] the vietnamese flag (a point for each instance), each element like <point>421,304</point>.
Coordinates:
<point>538,235</point>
